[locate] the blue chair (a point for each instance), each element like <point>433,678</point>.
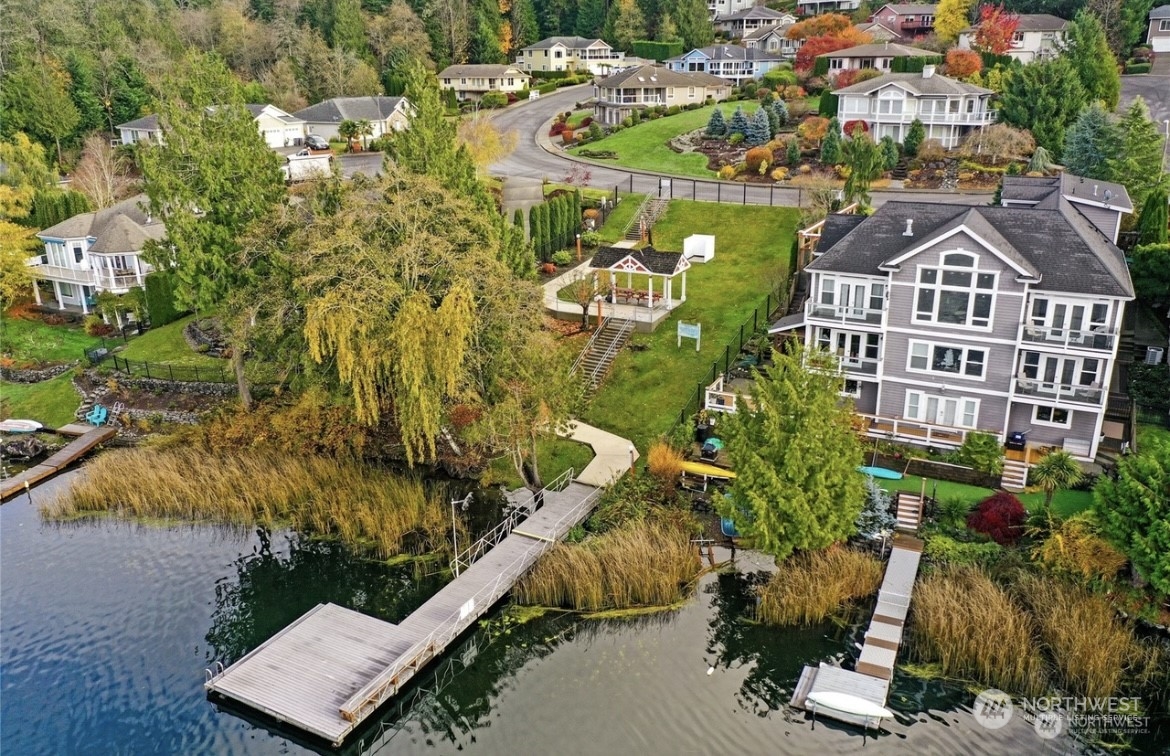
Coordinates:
<point>97,415</point>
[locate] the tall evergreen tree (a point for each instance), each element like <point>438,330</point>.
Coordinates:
<point>759,131</point>
<point>716,125</point>
<point>793,154</point>
<point>1044,98</point>
<point>83,92</point>
<point>557,18</point>
<point>831,144</point>
<point>1088,51</point>
<point>1134,511</point>
<point>590,19</point>
<point>525,29</point>
<point>624,23</point>
<point>347,29</point>
<point>795,456</point>
<point>1091,143</point>
<point>1152,222</point>
<point>1138,164</point>
<point>738,123</point>
<point>693,22</point>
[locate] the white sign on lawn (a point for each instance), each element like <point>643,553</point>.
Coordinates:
<point>689,331</point>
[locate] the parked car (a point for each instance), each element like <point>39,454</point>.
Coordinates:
<point>316,143</point>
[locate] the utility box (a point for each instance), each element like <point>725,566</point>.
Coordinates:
<point>699,248</point>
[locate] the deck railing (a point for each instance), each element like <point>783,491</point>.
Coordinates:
<point>387,682</point>
<point>1096,337</point>
<point>1060,391</point>
<point>916,431</point>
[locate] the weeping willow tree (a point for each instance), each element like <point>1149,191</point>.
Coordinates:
<point>404,298</point>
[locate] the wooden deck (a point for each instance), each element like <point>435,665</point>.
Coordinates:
<point>332,668</point>
<point>87,438</point>
<point>874,670</point>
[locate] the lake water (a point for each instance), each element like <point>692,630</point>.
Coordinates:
<point>106,628</point>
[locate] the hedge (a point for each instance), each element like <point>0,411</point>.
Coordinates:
<point>549,75</point>
<point>821,67</point>
<point>659,51</point>
<point>991,60</point>
<point>914,64</point>
<point>160,299</point>
<point>547,88</point>
<point>1137,68</point>
<point>51,206</point>
<point>828,104</point>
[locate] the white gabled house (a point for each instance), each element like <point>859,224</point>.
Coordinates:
<point>878,56</point>
<point>386,115</point>
<point>278,128</point>
<point>773,39</point>
<point>95,252</point>
<point>473,81</point>
<point>744,22</point>
<point>948,319</point>
<point>595,56</point>
<point>949,109</point>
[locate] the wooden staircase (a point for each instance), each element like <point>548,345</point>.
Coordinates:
<point>603,347</point>
<point>908,511</point>
<point>649,212</point>
<point>1015,475</point>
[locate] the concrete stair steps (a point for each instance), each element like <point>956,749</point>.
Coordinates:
<point>1015,475</point>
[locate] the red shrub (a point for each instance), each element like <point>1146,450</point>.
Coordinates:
<point>585,122</point>
<point>846,78</point>
<point>567,136</point>
<point>851,126</point>
<point>557,128</point>
<point>762,92</point>
<point>1000,516</point>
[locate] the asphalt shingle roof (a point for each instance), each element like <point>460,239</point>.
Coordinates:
<point>911,9</point>
<point>341,109</point>
<point>123,227</point>
<point>731,52</point>
<point>1060,244</point>
<point>1034,22</point>
<point>755,12</point>
<point>917,84</point>
<point>650,76</point>
<point>662,263</point>
<point>573,43</point>
<point>481,70</point>
<point>880,50</point>
<point>1162,11</point>
<point>145,123</point>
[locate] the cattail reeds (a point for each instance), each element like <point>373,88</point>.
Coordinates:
<point>813,585</point>
<point>641,564</point>
<point>974,629</point>
<point>322,495</point>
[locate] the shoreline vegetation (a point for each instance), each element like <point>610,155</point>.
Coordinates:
<point>322,496</point>
<point>813,585</point>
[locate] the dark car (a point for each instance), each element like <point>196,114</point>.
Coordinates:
<point>314,142</point>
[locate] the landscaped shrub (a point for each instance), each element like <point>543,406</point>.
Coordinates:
<point>942,549</point>
<point>1137,68</point>
<point>727,172</point>
<point>673,110</point>
<point>562,257</point>
<point>963,63</point>
<point>982,452</point>
<point>659,51</point>
<point>738,123</point>
<point>95,326</point>
<point>778,78</point>
<point>492,100</point>
<point>779,174</point>
<point>812,585</point>
<point>716,125</point>
<point>758,159</point>
<point>591,239</point>
<point>759,128</point>
<point>1000,516</point>
<point>735,139</point>
<point>567,136</point>
<point>914,137</point>
<point>793,154</point>
<point>831,144</point>
<point>557,128</point>
<point>890,154</point>
<point>932,150</point>
<point>813,129</point>
<point>594,130</point>
<point>547,88</point>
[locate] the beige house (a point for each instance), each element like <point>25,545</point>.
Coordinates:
<point>570,54</point>
<point>471,82</point>
<point>879,56</point>
<point>385,115</point>
<point>744,22</point>
<point>278,128</point>
<point>649,86</point>
<point>1038,36</point>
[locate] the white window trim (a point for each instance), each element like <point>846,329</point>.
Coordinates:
<point>963,350</point>
<point>939,287</point>
<point>922,399</point>
<point>1049,423</point>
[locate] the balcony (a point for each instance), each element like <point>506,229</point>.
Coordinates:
<point>59,273</point>
<point>633,100</point>
<point>916,432</point>
<point>980,118</point>
<point>1090,395</point>
<point>842,314</point>
<point>118,280</point>
<point>1097,337</point>
<point>862,365</point>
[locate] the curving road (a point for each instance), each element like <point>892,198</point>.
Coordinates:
<point>531,159</point>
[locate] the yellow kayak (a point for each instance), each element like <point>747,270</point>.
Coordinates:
<point>711,471</point>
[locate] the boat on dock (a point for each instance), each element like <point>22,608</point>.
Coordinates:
<point>19,426</point>
<point>845,706</point>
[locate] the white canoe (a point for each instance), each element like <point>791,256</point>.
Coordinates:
<point>848,704</point>
<point>19,426</point>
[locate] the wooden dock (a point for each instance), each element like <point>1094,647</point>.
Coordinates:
<point>87,437</point>
<point>331,669</point>
<point>870,680</point>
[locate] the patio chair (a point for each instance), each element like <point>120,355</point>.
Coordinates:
<point>97,415</point>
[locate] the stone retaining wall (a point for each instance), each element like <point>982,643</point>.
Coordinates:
<point>35,375</point>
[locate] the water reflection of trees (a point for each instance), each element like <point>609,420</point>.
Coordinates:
<point>276,583</point>
<point>775,655</point>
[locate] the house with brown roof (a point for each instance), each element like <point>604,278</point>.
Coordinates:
<point>909,20</point>
<point>1038,36</point>
<point>471,82</point>
<point>618,96</point>
<point>736,25</point>
<point>879,56</point>
<point>95,252</point>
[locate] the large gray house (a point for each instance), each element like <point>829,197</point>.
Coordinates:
<point>948,319</point>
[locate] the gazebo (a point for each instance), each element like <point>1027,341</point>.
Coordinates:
<point>648,261</point>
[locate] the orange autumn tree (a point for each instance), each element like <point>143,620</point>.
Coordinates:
<point>814,46</point>
<point>826,25</point>
<point>963,63</point>
<point>996,28</point>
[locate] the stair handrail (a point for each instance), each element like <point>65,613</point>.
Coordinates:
<point>603,362</point>
<point>637,214</point>
<point>589,345</point>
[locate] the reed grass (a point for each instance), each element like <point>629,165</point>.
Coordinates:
<point>1093,651</point>
<point>813,585</point>
<point>665,463</point>
<point>322,495</point>
<point>642,564</point>
<point>974,629</point>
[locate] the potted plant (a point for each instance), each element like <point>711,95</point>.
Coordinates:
<point>704,423</point>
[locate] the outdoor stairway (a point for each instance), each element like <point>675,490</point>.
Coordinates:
<point>648,214</point>
<point>597,356</point>
<point>900,171</point>
<point>908,511</point>
<point>1015,475</point>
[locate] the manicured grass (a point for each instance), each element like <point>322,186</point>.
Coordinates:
<point>31,341</point>
<point>166,345</point>
<point>614,228</point>
<point>578,116</point>
<point>555,455</point>
<point>52,403</point>
<point>646,389</point>
<point>1064,504</point>
<point>645,146</point>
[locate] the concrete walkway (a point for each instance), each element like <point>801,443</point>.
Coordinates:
<point>612,455</point>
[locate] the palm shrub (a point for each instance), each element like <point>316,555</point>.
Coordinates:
<point>982,452</point>
<point>716,125</point>
<point>1057,470</point>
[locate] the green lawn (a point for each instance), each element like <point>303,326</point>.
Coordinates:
<point>555,455</point>
<point>646,389</point>
<point>52,403</point>
<point>578,116</point>
<point>31,341</point>
<point>645,146</point>
<point>614,228</point>
<point>166,345</point>
<point>1064,504</point>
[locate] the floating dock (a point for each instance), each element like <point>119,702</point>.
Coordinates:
<point>87,437</point>
<point>331,669</point>
<point>875,667</point>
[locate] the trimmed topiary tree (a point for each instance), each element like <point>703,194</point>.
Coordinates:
<point>831,146</point>
<point>716,126</point>
<point>739,123</point>
<point>915,136</point>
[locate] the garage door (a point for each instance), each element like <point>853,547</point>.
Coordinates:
<point>1161,44</point>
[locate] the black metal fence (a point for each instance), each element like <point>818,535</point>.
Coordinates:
<point>727,192</point>
<point>760,319</point>
<point>180,373</point>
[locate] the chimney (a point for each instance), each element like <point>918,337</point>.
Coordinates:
<point>927,72</point>
<point>909,227</point>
